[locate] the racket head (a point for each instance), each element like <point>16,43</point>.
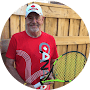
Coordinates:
<point>72,64</point>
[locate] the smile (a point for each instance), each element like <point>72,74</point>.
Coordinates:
<point>34,26</point>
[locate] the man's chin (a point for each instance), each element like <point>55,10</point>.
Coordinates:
<point>34,29</point>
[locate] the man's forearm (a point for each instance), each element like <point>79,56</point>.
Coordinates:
<point>12,70</point>
<point>15,74</point>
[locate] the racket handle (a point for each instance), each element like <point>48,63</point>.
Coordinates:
<point>37,85</point>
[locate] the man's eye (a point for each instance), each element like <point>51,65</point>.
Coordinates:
<point>30,18</point>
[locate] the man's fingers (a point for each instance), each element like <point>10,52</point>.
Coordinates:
<point>47,83</point>
<point>50,77</point>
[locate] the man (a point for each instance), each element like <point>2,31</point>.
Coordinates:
<point>32,50</point>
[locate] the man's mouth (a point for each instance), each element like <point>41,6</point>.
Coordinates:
<point>34,26</point>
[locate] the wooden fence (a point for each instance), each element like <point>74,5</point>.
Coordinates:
<point>60,21</point>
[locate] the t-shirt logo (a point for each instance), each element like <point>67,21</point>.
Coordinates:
<point>44,48</point>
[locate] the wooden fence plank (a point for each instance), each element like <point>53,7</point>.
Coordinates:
<point>5,32</point>
<point>14,24</point>
<point>62,31</point>
<point>59,48</point>
<point>83,32</point>
<point>22,23</point>
<point>76,33</point>
<point>74,30</point>
<point>66,28</point>
<point>87,50</point>
<point>51,26</point>
<point>65,33</point>
<point>71,40</point>
<point>81,48</point>
<point>59,12</point>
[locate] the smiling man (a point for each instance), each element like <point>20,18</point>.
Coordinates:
<point>32,50</point>
<point>34,20</point>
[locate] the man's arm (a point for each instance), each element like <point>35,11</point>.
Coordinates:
<point>10,66</point>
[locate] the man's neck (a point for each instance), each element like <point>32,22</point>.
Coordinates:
<point>33,34</point>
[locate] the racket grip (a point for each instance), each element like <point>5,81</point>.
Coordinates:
<point>37,85</point>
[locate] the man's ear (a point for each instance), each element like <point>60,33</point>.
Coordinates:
<point>43,19</point>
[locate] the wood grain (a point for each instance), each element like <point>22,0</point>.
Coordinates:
<point>73,31</point>
<point>5,31</point>
<point>72,40</point>
<point>62,31</point>
<point>57,11</point>
<point>51,26</point>
<point>14,24</point>
<point>22,23</point>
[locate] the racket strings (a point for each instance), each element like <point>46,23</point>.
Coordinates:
<point>80,63</point>
<point>69,66</point>
<point>58,70</point>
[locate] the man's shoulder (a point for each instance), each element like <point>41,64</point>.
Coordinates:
<point>48,35</point>
<point>19,34</point>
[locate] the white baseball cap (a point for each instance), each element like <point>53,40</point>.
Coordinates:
<point>33,8</point>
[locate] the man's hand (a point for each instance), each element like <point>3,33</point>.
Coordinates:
<point>49,78</point>
<point>29,85</point>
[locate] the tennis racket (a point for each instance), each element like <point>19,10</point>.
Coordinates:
<point>73,62</point>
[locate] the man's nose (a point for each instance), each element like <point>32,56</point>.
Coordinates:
<point>34,20</point>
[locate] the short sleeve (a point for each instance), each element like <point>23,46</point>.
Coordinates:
<point>55,54</point>
<point>11,52</point>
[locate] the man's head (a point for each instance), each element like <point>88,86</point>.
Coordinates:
<point>33,8</point>
<point>34,17</point>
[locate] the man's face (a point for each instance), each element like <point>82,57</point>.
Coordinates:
<point>34,21</point>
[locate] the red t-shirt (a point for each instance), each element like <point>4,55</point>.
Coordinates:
<point>32,55</point>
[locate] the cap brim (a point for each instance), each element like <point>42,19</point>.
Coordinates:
<point>33,11</point>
